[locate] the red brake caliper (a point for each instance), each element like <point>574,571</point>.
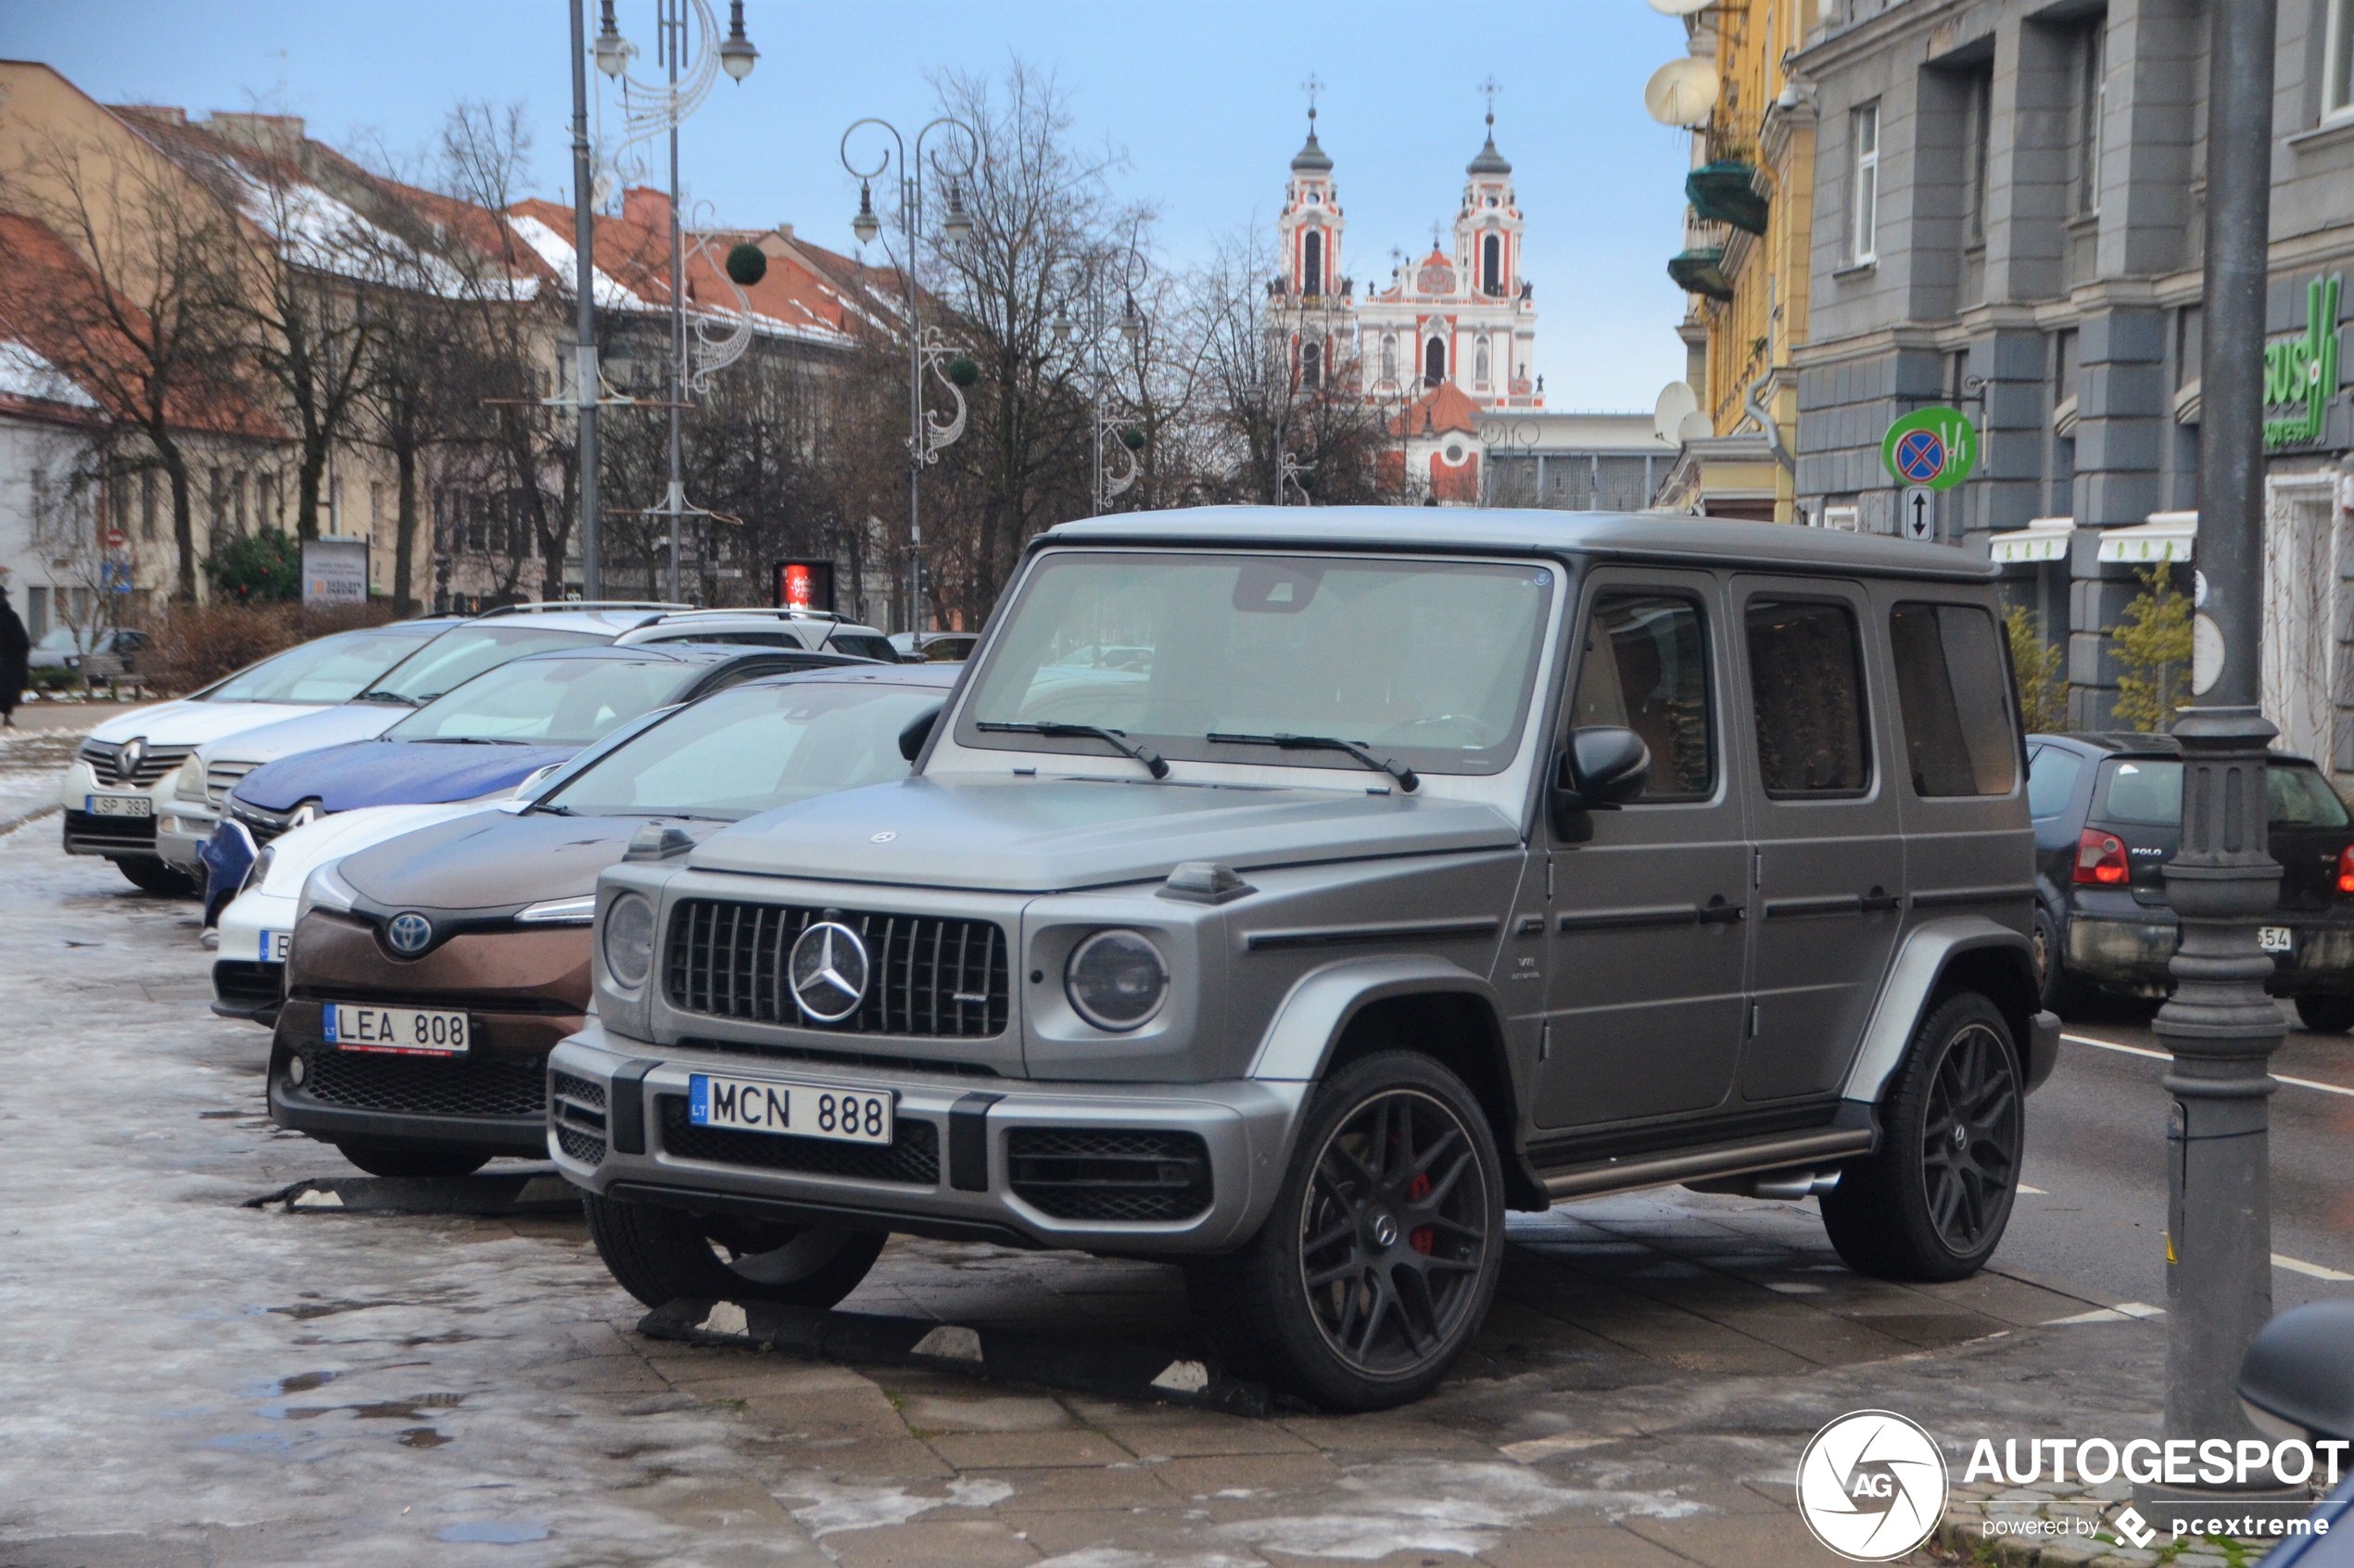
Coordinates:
<point>1422,1240</point>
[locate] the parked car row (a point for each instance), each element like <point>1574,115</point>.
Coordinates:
<point>1283,894</point>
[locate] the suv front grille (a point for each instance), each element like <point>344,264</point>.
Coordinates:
<point>264,825</point>
<point>418,1086</point>
<point>1109,1173</point>
<point>927,976</point>
<point>912,1158</point>
<point>154,764</point>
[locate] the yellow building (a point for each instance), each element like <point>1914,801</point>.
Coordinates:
<point>1744,264</point>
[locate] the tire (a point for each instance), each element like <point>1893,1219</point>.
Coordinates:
<point>1395,1189</point>
<point>2057,992</point>
<point>1917,1209</point>
<point>2327,1015</point>
<point>155,877</point>
<point>661,1255</point>
<point>391,1159</point>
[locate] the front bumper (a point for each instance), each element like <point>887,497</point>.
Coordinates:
<point>977,1157</point>
<point>184,827</point>
<point>495,1097</point>
<point>2131,953</point>
<point>117,838</point>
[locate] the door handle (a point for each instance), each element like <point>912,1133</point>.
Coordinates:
<point>1879,900</point>
<point>1717,912</point>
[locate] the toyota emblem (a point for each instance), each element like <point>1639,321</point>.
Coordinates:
<point>126,761</point>
<point>827,971</point>
<point>409,934</point>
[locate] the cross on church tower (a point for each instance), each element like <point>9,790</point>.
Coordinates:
<point>1312,87</point>
<point>1488,89</point>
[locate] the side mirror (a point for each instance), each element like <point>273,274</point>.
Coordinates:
<point>912,738</point>
<point>1602,767</point>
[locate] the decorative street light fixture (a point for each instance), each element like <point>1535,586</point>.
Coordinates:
<point>928,434</point>
<point>649,110</point>
<point>1109,440</point>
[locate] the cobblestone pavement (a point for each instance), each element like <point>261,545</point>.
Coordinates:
<point>190,1381</point>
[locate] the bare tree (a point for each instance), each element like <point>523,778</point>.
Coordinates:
<point>135,306</point>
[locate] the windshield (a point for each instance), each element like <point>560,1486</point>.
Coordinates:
<point>2149,793</point>
<point>330,669</point>
<point>1428,660</point>
<point>463,652</point>
<point>751,750</point>
<point>550,701</point>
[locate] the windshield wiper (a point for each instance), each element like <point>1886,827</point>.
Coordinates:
<point>1408,780</point>
<point>386,697</point>
<point>544,808</point>
<point>465,740</point>
<point>1115,739</point>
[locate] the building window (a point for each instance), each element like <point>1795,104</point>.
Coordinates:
<point>1491,264</point>
<point>1479,363</point>
<point>1311,366</point>
<point>2092,104</point>
<point>36,612</point>
<point>1864,203</point>
<point>1435,361</point>
<point>1982,146</point>
<point>1311,266</point>
<point>1389,357</point>
<point>147,505</point>
<point>2337,71</point>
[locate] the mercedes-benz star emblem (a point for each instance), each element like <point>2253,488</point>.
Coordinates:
<point>410,933</point>
<point>126,761</point>
<point>827,971</point>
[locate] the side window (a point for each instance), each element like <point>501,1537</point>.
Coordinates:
<point>1806,680</point>
<point>1949,685</point>
<point>2051,781</point>
<point>1646,669</point>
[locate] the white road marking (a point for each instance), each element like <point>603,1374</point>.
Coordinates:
<point>2167,1057</point>
<point>2298,1266</point>
<point>2118,1313</point>
<point>2037,1190</point>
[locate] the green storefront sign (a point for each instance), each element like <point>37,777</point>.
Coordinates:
<point>2301,372</point>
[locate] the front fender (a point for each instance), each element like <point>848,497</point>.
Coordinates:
<point>1929,950</point>
<point>1301,1038</point>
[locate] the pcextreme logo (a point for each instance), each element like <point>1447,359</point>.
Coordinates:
<point>1871,1485</point>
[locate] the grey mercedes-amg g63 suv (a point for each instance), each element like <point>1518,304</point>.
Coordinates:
<point>1287,893</point>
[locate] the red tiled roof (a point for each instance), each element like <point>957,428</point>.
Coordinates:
<point>1448,408</point>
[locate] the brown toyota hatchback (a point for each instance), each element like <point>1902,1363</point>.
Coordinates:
<point>430,974</point>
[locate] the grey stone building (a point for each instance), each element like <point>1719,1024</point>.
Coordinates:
<point>2008,218</point>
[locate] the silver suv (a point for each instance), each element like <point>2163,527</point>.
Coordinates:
<point>1392,877</point>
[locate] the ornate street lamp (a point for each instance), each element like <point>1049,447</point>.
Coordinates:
<point>928,434</point>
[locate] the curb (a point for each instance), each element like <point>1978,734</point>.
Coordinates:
<point>530,1192</point>
<point>1120,1371</point>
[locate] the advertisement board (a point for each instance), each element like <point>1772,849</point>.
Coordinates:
<point>334,570</point>
<point>804,584</point>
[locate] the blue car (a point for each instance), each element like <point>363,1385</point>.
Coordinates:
<point>482,738</point>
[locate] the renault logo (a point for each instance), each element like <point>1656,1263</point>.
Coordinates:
<point>409,934</point>
<point>126,761</point>
<point>828,971</point>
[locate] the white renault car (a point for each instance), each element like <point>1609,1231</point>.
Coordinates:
<point>120,781</point>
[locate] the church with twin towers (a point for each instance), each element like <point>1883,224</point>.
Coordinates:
<point>1458,324</point>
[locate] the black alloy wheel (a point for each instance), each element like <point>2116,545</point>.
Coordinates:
<point>1380,1257</point>
<point>156,876</point>
<point>1931,1203</point>
<point>660,1255</point>
<point>1391,1239</point>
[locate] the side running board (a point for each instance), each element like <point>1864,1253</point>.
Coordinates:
<point>1669,1167</point>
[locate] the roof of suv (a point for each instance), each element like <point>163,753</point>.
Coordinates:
<point>2131,743</point>
<point>1633,536</point>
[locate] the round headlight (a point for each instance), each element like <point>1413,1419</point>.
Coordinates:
<point>188,784</point>
<point>1116,980</point>
<point>629,940</point>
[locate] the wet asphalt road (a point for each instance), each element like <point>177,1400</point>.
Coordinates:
<point>2096,1146</point>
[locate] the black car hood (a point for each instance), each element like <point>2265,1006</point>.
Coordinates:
<point>494,860</point>
<point>1019,835</point>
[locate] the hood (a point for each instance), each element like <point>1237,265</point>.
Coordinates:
<point>296,854</point>
<point>192,723</point>
<point>1019,835</point>
<point>312,731</point>
<point>494,860</point>
<point>369,773</point>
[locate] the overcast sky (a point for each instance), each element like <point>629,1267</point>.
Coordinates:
<point>1203,99</point>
